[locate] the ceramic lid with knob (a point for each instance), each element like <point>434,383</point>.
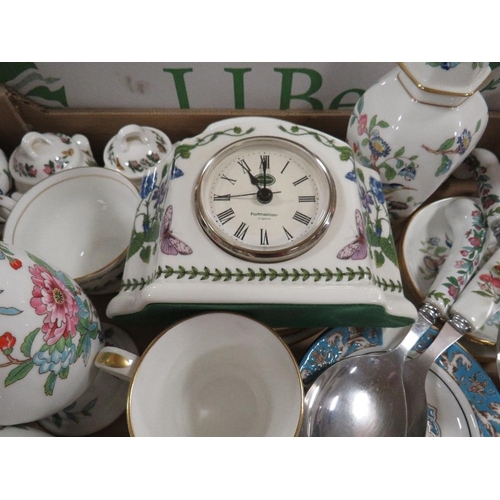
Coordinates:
<point>41,155</point>
<point>459,78</point>
<point>135,149</point>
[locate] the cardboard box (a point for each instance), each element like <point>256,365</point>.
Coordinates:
<point>19,115</point>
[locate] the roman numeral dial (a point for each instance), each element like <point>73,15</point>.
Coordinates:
<point>265,199</point>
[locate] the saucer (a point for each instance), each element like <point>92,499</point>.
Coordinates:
<point>424,248</point>
<point>22,431</point>
<point>462,399</point>
<point>101,404</point>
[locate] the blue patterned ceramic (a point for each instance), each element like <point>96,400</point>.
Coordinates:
<point>463,400</point>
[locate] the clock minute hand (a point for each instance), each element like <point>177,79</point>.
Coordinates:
<point>228,197</point>
<point>265,166</point>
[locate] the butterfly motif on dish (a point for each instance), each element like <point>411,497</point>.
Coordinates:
<point>170,244</point>
<point>357,249</point>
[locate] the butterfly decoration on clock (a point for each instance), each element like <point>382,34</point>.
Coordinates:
<point>357,249</point>
<point>170,244</point>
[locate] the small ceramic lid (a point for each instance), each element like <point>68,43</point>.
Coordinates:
<point>42,155</point>
<point>135,149</point>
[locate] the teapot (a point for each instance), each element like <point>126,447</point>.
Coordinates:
<point>50,334</point>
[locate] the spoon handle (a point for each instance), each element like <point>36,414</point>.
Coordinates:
<point>479,299</point>
<point>469,237</point>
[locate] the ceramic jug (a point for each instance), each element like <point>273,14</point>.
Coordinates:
<point>416,125</point>
<point>39,156</point>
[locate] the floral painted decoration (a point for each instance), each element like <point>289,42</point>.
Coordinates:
<point>25,169</point>
<point>398,166</point>
<point>139,165</point>
<point>69,324</point>
<point>154,188</point>
<point>435,254</point>
<point>467,265</point>
<point>489,284</point>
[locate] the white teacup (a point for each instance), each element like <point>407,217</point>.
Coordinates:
<point>214,374</point>
<point>39,156</point>
<point>80,219</point>
<point>135,150</point>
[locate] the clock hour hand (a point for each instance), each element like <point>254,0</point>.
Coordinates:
<point>253,179</point>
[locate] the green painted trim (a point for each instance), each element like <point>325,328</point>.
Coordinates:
<point>237,275</point>
<point>274,315</point>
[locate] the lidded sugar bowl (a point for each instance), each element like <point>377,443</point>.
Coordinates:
<point>39,156</point>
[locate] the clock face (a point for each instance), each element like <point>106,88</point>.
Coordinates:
<point>265,199</point>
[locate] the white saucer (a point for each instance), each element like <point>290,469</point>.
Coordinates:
<point>101,404</point>
<point>22,431</point>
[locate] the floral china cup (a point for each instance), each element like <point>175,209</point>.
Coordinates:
<point>5,178</point>
<point>49,336</point>
<point>42,155</point>
<point>134,150</point>
<point>416,133</point>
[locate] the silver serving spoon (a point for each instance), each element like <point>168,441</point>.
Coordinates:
<point>475,297</point>
<point>364,395</point>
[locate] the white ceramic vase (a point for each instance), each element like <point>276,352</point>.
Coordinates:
<point>416,125</point>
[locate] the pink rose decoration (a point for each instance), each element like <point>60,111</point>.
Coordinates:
<point>52,298</point>
<point>453,291</point>
<point>362,121</point>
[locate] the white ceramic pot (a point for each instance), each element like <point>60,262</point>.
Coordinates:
<point>49,336</point>
<point>135,150</point>
<point>415,135</point>
<point>41,155</point>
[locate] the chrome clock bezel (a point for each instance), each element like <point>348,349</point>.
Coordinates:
<point>283,253</point>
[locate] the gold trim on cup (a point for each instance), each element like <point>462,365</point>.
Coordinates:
<point>113,360</point>
<point>164,332</point>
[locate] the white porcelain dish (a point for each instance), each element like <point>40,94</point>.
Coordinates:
<point>462,399</point>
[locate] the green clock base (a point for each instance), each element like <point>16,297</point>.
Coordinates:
<point>273,315</point>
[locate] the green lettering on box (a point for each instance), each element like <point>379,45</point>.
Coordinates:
<point>286,87</point>
<point>238,85</point>
<point>336,102</point>
<point>180,84</point>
